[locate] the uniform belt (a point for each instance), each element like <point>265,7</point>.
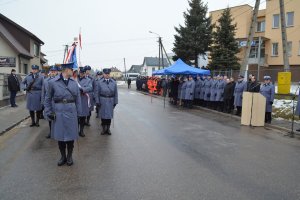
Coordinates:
<point>107,96</point>
<point>64,101</point>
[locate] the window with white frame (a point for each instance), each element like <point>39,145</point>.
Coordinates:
<point>289,19</point>
<point>289,48</point>
<point>274,49</point>
<point>261,26</point>
<point>275,21</point>
<point>36,50</point>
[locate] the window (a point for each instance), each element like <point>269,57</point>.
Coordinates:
<point>276,21</point>
<point>275,49</point>
<point>289,48</point>
<point>36,50</point>
<point>261,26</point>
<point>290,19</point>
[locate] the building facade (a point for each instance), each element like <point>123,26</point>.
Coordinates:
<point>19,48</point>
<point>266,53</point>
<point>151,64</point>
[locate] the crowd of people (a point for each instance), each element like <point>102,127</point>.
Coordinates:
<point>220,92</point>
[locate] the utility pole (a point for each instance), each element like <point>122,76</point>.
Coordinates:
<point>159,52</point>
<point>284,36</point>
<point>125,70</point>
<point>66,50</point>
<point>244,66</point>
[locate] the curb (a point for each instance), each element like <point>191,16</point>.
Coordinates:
<point>13,125</point>
<point>283,129</point>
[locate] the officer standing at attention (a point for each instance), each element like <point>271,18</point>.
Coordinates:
<point>240,87</point>
<point>220,93</point>
<point>106,100</point>
<point>64,91</point>
<point>197,91</point>
<point>33,84</point>
<point>183,91</point>
<point>207,91</point>
<point>52,75</point>
<point>189,94</point>
<point>91,93</point>
<point>268,91</point>
<point>99,76</point>
<point>85,87</point>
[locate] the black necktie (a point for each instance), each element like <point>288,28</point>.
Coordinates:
<point>107,81</point>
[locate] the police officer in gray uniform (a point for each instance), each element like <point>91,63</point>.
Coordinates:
<point>99,76</point>
<point>207,91</point>
<point>202,90</point>
<point>197,91</point>
<point>220,93</point>
<point>268,91</point>
<point>52,75</point>
<point>189,93</point>
<point>85,87</point>
<point>91,93</point>
<point>65,93</point>
<point>213,93</point>
<point>183,91</point>
<point>106,100</point>
<point>33,84</point>
<point>240,87</point>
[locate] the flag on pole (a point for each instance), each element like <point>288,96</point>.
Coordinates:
<point>80,44</point>
<point>72,57</point>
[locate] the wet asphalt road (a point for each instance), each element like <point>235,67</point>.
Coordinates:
<point>153,153</point>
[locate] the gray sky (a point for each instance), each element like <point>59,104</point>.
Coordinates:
<point>111,30</point>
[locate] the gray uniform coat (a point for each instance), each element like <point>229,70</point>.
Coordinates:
<point>240,87</point>
<point>107,96</point>
<point>220,90</point>
<point>183,90</point>
<point>86,88</point>
<point>190,88</point>
<point>65,126</point>
<point>268,91</point>
<point>92,94</point>
<point>197,92</point>
<point>297,111</point>
<point>207,91</point>
<point>34,96</point>
<point>213,90</point>
<point>202,90</point>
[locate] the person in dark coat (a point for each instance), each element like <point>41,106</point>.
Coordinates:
<point>106,100</point>
<point>174,90</point>
<point>249,81</point>
<point>85,87</point>
<point>228,96</point>
<point>253,86</point>
<point>64,91</point>
<point>129,83</point>
<point>268,91</point>
<point>33,84</point>
<point>52,75</point>
<point>13,87</point>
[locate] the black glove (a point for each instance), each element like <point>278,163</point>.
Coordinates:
<point>51,116</point>
<point>81,90</point>
<point>191,93</point>
<point>115,105</point>
<point>98,105</point>
<point>271,102</point>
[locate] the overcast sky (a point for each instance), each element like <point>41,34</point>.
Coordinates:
<point>111,29</point>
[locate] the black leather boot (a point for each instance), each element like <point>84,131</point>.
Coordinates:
<point>103,130</point>
<point>32,118</point>
<point>108,130</point>
<point>81,126</point>
<point>62,149</point>
<point>69,156</point>
<point>88,121</point>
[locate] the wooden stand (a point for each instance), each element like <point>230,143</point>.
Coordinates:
<point>254,107</point>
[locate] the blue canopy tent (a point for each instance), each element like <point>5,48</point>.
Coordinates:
<point>159,72</point>
<point>180,68</point>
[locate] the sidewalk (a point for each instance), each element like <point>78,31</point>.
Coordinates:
<point>282,125</point>
<point>10,117</point>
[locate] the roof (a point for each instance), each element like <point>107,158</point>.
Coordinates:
<point>231,8</point>
<point>13,42</point>
<point>21,28</point>
<point>135,69</point>
<point>114,69</point>
<point>154,61</point>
